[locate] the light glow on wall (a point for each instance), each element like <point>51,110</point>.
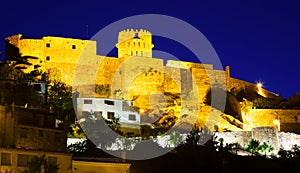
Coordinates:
<point>260,89</point>
<point>277,123</point>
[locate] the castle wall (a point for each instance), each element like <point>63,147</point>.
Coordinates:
<point>241,137</point>
<point>269,135</point>
<point>52,50</point>
<point>172,79</point>
<point>239,84</point>
<point>140,76</point>
<point>266,117</point>
<point>187,65</point>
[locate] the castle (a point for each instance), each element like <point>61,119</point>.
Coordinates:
<point>133,75</point>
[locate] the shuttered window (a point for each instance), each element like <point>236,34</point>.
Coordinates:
<point>5,159</point>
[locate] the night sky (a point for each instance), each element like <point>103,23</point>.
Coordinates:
<point>258,39</point>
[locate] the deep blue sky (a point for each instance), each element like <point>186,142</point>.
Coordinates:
<point>258,39</point>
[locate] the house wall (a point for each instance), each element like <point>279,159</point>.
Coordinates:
<point>30,129</point>
<point>64,160</point>
<point>94,167</point>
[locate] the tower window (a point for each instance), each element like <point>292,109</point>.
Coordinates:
<point>73,46</point>
<point>47,58</point>
<point>47,44</point>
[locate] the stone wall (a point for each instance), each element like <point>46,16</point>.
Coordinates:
<point>266,117</point>
<point>285,140</point>
<point>241,137</point>
<point>51,50</point>
<point>268,135</point>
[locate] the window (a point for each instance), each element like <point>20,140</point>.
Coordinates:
<point>110,115</point>
<point>109,102</point>
<point>5,159</point>
<point>23,160</point>
<point>132,117</point>
<point>47,44</point>
<point>48,58</point>
<point>73,46</point>
<point>87,101</point>
<point>23,133</point>
<point>37,87</point>
<point>52,160</point>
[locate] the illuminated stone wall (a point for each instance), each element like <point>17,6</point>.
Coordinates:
<point>48,50</point>
<point>266,117</point>
<point>285,140</point>
<point>268,135</point>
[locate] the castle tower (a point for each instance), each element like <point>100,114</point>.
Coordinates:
<point>135,43</point>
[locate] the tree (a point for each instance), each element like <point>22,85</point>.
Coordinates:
<point>59,99</point>
<point>36,165</point>
<point>252,146</point>
<point>256,148</point>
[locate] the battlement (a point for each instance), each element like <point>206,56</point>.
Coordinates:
<point>131,33</point>
<point>135,43</point>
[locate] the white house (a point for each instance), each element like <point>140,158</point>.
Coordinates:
<point>109,109</point>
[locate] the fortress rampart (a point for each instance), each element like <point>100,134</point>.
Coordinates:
<point>134,72</point>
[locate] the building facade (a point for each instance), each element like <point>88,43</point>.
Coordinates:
<point>26,133</point>
<point>110,109</point>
